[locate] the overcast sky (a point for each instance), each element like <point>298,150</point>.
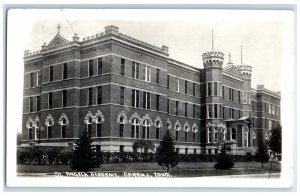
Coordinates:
<point>266,37</point>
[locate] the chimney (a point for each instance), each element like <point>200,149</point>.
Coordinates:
<point>44,46</point>
<point>165,49</point>
<point>75,38</point>
<point>111,29</point>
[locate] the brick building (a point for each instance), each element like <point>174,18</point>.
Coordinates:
<point>121,89</point>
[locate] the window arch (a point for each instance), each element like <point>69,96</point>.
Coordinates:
<point>135,128</point>
<point>49,129</point>
<point>146,129</point>
<point>98,126</point>
<point>157,126</point>
<point>30,132</point>
<point>177,129</point>
<point>122,122</point>
<point>37,130</point>
<point>63,125</point>
<point>89,125</point>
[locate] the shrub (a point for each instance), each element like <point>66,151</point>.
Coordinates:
<point>224,161</point>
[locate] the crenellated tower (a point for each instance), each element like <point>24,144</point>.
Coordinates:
<point>213,62</point>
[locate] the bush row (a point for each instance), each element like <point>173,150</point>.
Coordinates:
<point>60,155</point>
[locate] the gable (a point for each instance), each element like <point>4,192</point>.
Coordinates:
<point>57,40</point>
<point>232,70</point>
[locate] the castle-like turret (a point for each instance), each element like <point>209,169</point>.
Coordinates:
<point>245,70</point>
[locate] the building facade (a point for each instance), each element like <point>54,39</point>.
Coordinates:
<point>121,89</point>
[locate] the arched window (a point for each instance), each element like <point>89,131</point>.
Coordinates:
<point>89,126</point>
<point>98,126</point>
<point>194,133</point>
<point>186,130</point>
<point>49,129</point>
<point>121,126</point>
<point>63,128</point>
<point>217,135</point>
<point>30,135</point>
<point>37,131</point>
<point>135,128</point>
<point>146,129</point>
<point>177,128</point>
<point>233,134</point>
<point>158,125</point>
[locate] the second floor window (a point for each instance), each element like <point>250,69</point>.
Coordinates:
<point>177,85</point>
<point>30,104</point>
<point>31,79</point>
<point>99,95</point>
<point>208,89</point>
<point>64,98</point>
<point>122,95</point>
<point>177,108</point>
<point>215,88</point>
<point>157,102</point>
<point>50,101</point>
<point>146,100</point>
<point>135,98</point>
<point>38,103</point>
<point>194,111</point>
<point>194,89</point>
<point>185,87</point>
<point>90,96</point>
<point>91,68</point>
<point>168,82</point>
<point>185,109</point>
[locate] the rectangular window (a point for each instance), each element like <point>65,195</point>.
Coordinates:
<point>185,109</point>
<point>50,100</point>
<point>30,104</point>
<point>38,78</point>
<point>135,70</point>
<point>157,76</point>
<point>49,131</point>
<point>91,68</point>
<point>232,113</point>
<point>157,102</point>
<point>168,82</point>
<point>239,96</point>
<point>177,85</point>
<point>223,92</point>
<point>232,95</point>
<point>177,106</point>
<point>220,112</point>
<point>64,98</point>
<point>168,106</point>
<point>270,124</point>
<point>208,89</point>
<point>215,88</point>
<point>148,101</point>
<point>38,103</point>
<point>194,89</point>
<point>194,111</point>
<point>90,96</point>
<point>216,110</point>
<point>122,67</point>
<point>185,136</point>
<point>176,136</point>
<point>147,73</point>
<point>99,95</point>
<point>65,71</point>
<point>99,127</point>
<point>223,112</point>
<point>100,62</point>
<point>185,87</point>
<point>50,73</point>
<point>209,111</point>
<point>135,98</point>
<point>31,79</point>
<point>122,95</point>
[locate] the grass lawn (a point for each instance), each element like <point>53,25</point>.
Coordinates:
<point>183,169</point>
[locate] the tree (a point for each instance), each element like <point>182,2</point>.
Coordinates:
<point>19,138</point>
<point>262,155</point>
<point>224,161</point>
<point>275,140</point>
<point>166,154</point>
<point>84,158</point>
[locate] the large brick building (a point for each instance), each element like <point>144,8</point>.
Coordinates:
<point>122,89</point>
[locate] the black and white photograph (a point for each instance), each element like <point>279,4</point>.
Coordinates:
<point>150,97</point>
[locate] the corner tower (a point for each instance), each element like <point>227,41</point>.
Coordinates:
<point>213,62</point>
